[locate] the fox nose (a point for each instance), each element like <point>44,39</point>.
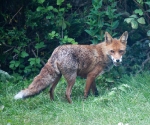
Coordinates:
<point>117,60</point>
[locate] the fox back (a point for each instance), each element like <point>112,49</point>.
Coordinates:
<point>87,61</point>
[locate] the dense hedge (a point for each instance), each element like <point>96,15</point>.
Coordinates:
<point>30,30</point>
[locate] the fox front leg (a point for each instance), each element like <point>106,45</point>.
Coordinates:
<point>90,82</point>
<point>94,89</point>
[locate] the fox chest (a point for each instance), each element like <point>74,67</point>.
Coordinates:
<point>108,66</point>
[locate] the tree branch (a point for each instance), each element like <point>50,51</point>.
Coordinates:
<point>14,15</point>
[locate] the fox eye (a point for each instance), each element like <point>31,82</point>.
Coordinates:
<point>121,51</point>
<point>112,51</point>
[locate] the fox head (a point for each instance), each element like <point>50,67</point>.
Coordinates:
<point>116,48</point>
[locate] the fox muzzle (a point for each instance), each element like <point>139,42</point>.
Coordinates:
<point>117,61</point>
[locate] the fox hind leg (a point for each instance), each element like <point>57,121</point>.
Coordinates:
<point>51,92</point>
<point>70,81</point>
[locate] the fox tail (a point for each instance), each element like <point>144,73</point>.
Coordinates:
<point>46,77</point>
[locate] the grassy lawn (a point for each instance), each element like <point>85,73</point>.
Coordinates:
<point>128,101</point>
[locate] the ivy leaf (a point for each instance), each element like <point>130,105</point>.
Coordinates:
<point>141,20</point>
<point>134,24</point>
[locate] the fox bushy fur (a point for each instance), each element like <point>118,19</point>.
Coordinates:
<point>87,61</point>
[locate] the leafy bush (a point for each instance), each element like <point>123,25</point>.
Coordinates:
<point>103,17</point>
<point>32,29</point>
<point>45,27</point>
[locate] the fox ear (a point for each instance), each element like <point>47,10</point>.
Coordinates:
<point>124,37</point>
<point>108,37</point>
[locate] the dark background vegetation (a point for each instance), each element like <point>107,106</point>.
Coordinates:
<point>31,29</point>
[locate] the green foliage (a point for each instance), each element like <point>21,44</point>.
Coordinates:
<point>44,29</point>
<point>30,33</point>
<point>103,17</point>
<point>134,19</point>
<point>140,16</point>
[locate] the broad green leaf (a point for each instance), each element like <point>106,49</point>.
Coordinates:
<point>39,9</point>
<point>38,60</point>
<point>69,5</point>
<point>148,33</point>
<point>55,10</point>
<point>141,20</point>
<point>100,23</point>
<point>41,1</point>
<point>140,1</point>
<point>27,69</point>
<point>59,2</point>
<point>64,25</point>
<point>24,54</point>
<point>134,24</point>
<point>17,63</point>
<point>48,17</point>
<point>50,8</point>
<point>115,24</point>
<point>90,32</point>
<point>39,45</point>
<point>32,61</point>
<point>128,20</point>
<point>148,3</point>
<point>134,16</point>
<point>11,66</point>
<point>139,11</point>
<point>12,62</point>
<point>61,9</point>
<point>16,51</point>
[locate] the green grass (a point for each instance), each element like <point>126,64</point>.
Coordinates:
<point>127,101</point>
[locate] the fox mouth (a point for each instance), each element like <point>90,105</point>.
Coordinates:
<point>117,63</point>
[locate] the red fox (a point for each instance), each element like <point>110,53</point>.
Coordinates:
<point>87,61</point>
